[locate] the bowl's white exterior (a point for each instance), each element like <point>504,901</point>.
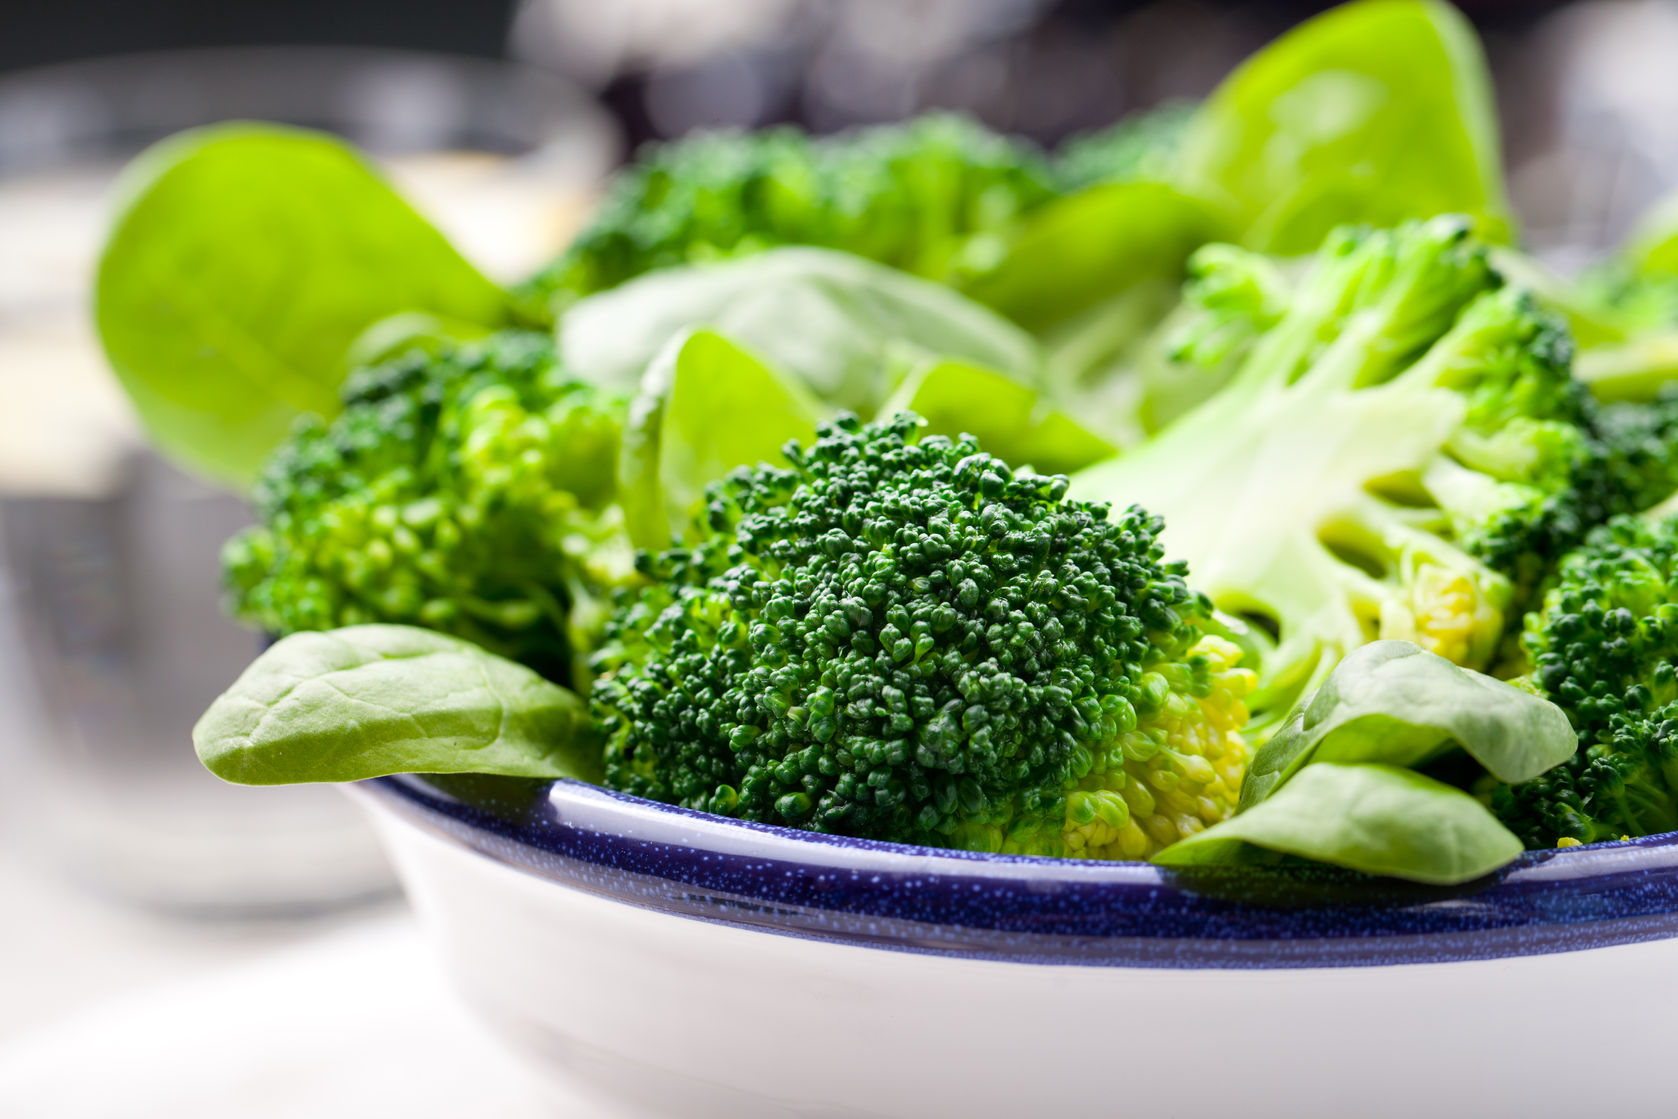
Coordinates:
<point>651,1014</point>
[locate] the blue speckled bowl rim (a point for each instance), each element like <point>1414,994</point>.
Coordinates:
<point>1050,911</point>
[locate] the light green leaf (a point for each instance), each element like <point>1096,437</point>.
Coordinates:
<point>1638,370</point>
<point>1082,250</point>
<point>410,330</point>
<point>1652,248</point>
<point>705,407</point>
<point>1100,344</point>
<point>1377,819</point>
<point>1394,703</point>
<point>243,261</point>
<point>365,701</point>
<point>1011,421</point>
<point>845,327</point>
<point>1374,112</point>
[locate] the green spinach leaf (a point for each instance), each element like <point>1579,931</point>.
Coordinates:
<point>1638,370</point>
<point>1378,819</point>
<point>845,327</point>
<point>1374,112</point>
<point>1010,420</point>
<point>1082,250</point>
<point>243,261</point>
<point>705,407</point>
<point>1394,703</point>
<point>1335,784</point>
<point>364,701</point>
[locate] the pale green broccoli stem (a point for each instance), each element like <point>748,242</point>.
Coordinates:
<point>1397,350</point>
<point>1636,370</point>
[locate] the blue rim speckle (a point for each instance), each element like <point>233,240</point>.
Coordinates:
<point>1037,910</point>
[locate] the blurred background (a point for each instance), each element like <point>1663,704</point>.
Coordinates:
<point>125,870</point>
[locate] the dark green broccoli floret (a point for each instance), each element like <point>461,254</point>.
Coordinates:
<point>1626,462</point>
<point>906,640</point>
<point>922,196</point>
<point>1141,145</point>
<point>1604,648</point>
<point>1641,441</point>
<point>466,489</point>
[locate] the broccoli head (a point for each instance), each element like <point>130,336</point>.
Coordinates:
<point>928,195</point>
<point>1604,648</point>
<point>904,639</point>
<point>1399,434</point>
<point>466,488</point>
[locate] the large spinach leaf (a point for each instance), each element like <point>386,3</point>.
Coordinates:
<point>1394,703</point>
<point>705,407</point>
<point>364,701</point>
<point>1336,784</point>
<point>1378,819</point>
<point>1374,112</point>
<point>1012,421</point>
<point>243,261</point>
<point>845,327</point>
<point>1076,252</point>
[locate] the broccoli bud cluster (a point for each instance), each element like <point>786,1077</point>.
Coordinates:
<point>465,488</point>
<point>904,639</point>
<point>923,195</point>
<point>1604,647</point>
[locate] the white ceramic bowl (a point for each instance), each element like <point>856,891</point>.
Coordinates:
<point>666,962</point>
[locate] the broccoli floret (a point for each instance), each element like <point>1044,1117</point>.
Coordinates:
<point>1230,297</point>
<point>1641,445</point>
<point>1604,648</point>
<point>467,488</point>
<point>1388,450</point>
<point>1141,145</point>
<point>905,640</point>
<point>931,196</point>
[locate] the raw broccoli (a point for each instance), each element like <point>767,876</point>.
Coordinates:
<point>1627,324</point>
<point>1141,145</point>
<point>905,640</point>
<point>1230,297</point>
<point>467,488</point>
<point>1641,450</point>
<point>1604,648</point>
<point>930,196</point>
<point>1394,448</point>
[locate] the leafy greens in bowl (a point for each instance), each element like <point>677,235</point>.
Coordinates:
<point>1226,491</point>
<point>1213,546</point>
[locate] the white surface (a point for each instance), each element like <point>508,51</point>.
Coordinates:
<point>355,1024</point>
<point>64,950</point>
<point>677,1017</point>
